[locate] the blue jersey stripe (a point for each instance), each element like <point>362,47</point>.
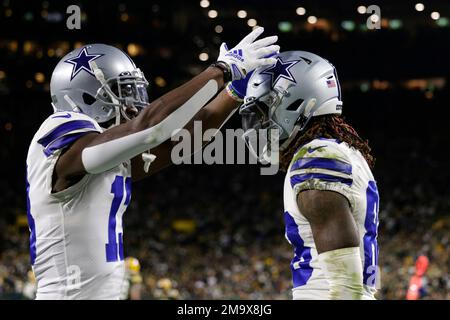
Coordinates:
<point>299,178</point>
<point>31,224</point>
<point>302,258</point>
<point>322,163</point>
<point>64,129</point>
<point>63,142</point>
<point>370,237</point>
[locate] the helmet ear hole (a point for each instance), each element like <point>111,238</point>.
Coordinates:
<point>88,99</point>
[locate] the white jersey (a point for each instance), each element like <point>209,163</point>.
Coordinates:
<point>327,164</point>
<point>76,241</point>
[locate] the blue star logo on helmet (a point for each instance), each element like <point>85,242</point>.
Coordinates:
<point>81,62</point>
<point>281,70</point>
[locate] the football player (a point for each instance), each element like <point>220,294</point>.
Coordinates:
<point>84,157</point>
<point>330,195</point>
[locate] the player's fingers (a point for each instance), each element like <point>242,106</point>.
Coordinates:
<point>267,51</point>
<point>223,48</point>
<point>266,62</point>
<point>264,42</point>
<point>252,36</point>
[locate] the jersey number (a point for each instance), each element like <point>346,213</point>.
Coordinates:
<point>114,248</point>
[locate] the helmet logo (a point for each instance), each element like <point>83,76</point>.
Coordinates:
<point>81,62</point>
<point>281,70</point>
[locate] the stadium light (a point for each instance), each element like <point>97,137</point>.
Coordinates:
<point>204,3</point>
<point>284,26</point>
<point>300,11</point>
<point>160,81</point>
<point>435,15</point>
<point>361,9</point>
<point>242,14</point>
<point>419,7</point>
<point>133,49</point>
<point>212,14</point>
<point>203,56</point>
<point>374,18</point>
<point>39,77</point>
<point>348,25</point>
<point>443,22</point>
<point>252,22</point>
<point>312,19</point>
<point>218,29</point>
<point>395,24</point>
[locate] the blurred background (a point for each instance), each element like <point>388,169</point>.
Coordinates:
<point>216,232</point>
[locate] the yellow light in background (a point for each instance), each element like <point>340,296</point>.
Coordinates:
<point>312,19</point>
<point>133,49</point>
<point>39,77</point>
<point>8,13</point>
<point>204,3</point>
<point>78,44</point>
<point>2,74</point>
<point>28,47</point>
<point>252,22</point>
<point>242,14</point>
<point>13,46</point>
<point>59,52</point>
<point>213,14</point>
<point>300,11</point>
<point>218,29</point>
<point>203,56</point>
<point>160,81</point>
<point>28,84</point>
<point>51,52</point>
<point>124,17</point>
<point>8,126</point>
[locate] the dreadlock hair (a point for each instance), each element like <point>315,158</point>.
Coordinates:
<point>329,126</point>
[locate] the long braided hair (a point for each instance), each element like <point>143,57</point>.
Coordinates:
<point>329,126</point>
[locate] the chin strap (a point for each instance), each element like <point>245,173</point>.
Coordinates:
<point>71,103</point>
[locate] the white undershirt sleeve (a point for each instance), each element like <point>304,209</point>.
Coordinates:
<point>105,156</point>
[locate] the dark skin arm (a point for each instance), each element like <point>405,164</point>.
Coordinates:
<point>212,116</point>
<point>69,168</point>
<point>329,215</point>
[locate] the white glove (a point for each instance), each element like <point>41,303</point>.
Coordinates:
<point>249,54</point>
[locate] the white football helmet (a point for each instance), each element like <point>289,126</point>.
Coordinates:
<point>285,96</point>
<point>100,81</point>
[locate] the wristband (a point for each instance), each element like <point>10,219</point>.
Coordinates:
<point>227,76</point>
<point>232,92</point>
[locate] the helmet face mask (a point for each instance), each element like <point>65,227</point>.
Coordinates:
<point>127,92</point>
<point>260,130</point>
<point>285,96</point>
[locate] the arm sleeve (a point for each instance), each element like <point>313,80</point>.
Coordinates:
<point>322,165</point>
<point>62,129</point>
<point>107,155</point>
